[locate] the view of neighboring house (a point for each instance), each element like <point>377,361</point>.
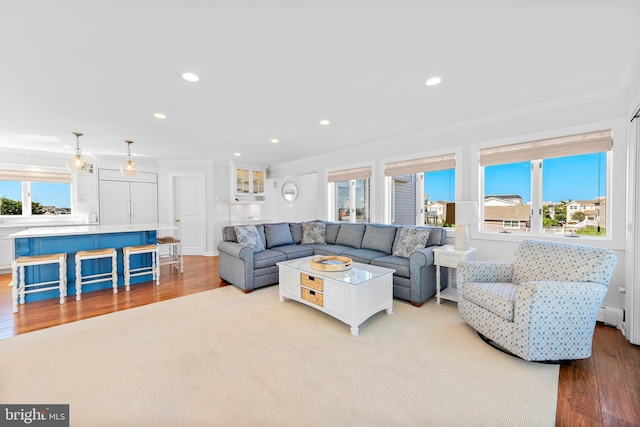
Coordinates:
<point>594,213</point>
<point>509,212</point>
<point>506,212</point>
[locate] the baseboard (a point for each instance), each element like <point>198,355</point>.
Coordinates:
<point>611,316</point>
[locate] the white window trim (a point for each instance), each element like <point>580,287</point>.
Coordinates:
<point>462,165</point>
<point>615,187</point>
<point>330,199</point>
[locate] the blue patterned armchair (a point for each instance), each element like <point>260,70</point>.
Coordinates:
<point>543,305</point>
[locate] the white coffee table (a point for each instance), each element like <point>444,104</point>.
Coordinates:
<point>351,296</point>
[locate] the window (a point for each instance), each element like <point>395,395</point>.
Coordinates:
<point>552,186</point>
<point>423,190</point>
<point>352,193</point>
<point>34,193</point>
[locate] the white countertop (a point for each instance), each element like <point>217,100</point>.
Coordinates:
<point>87,229</point>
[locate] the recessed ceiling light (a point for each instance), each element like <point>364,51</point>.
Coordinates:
<point>237,154</point>
<point>433,81</point>
<point>324,122</point>
<point>274,141</point>
<point>159,116</point>
<point>190,77</point>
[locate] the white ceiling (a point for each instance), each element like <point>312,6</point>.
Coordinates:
<point>273,69</point>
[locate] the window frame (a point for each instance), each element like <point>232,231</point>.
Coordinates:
<point>26,176</point>
<point>615,185</point>
<point>331,193</point>
<point>459,173</point>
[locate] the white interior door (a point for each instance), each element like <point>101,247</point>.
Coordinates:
<point>189,210</point>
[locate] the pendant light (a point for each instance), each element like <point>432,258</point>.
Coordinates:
<point>129,168</point>
<point>78,163</point>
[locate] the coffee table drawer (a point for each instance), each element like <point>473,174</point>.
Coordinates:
<point>312,296</point>
<point>311,282</point>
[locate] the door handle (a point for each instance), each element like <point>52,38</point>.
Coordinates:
<point>177,219</point>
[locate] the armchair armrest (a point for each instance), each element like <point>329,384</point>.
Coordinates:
<point>555,320</point>
<point>484,271</point>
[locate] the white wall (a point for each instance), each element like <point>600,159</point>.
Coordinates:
<point>304,208</point>
<point>464,136</point>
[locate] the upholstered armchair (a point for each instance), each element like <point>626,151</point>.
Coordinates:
<point>543,305</point>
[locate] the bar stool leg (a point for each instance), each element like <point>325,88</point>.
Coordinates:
<point>114,272</point>
<point>127,273</point>
<point>22,284</point>
<point>63,279</point>
<point>156,266</point>
<point>15,285</point>
<point>78,278</point>
<point>179,250</point>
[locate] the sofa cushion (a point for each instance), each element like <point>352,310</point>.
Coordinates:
<point>498,298</point>
<point>296,232</point>
<point>437,236</point>
<point>332,232</point>
<point>267,258</point>
<point>401,265</point>
<point>363,255</point>
<point>351,235</point>
<point>278,234</point>
<point>247,235</point>
<point>379,238</point>
<point>314,232</point>
<point>294,251</point>
<point>330,249</point>
<point>411,239</point>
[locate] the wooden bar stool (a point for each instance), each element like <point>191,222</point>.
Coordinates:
<point>98,277</point>
<point>173,254</point>
<point>129,272</point>
<point>21,288</point>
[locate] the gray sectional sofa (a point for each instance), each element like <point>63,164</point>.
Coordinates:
<point>413,281</point>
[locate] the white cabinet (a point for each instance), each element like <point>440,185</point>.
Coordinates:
<point>248,186</point>
<point>87,189</point>
<point>132,201</point>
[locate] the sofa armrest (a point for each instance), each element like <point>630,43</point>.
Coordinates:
<point>422,275</point>
<point>483,272</point>
<point>235,264</point>
<point>237,250</point>
<point>552,317</point>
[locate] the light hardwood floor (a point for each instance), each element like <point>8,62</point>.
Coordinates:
<point>603,390</point>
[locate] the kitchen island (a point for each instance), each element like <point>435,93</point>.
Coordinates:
<point>70,239</point>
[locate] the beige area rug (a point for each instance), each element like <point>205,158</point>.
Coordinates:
<point>222,358</point>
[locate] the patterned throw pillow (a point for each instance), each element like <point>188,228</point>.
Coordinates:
<point>314,232</point>
<point>411,239</point>
<point>247,235</point>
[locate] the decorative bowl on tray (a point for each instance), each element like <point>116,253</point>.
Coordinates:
<point>331,263</point>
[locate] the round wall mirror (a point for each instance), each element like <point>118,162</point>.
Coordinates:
<point>289,191</point>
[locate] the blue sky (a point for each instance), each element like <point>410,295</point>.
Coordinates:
<point>574,177</point>
<point>47,194</point>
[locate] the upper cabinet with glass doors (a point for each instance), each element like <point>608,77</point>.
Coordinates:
<point>249,186</point>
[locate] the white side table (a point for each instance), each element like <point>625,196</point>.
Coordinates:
<point>447,256</point>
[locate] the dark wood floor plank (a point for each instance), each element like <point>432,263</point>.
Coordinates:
<point>614,399</point>
<point>602,390</point>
